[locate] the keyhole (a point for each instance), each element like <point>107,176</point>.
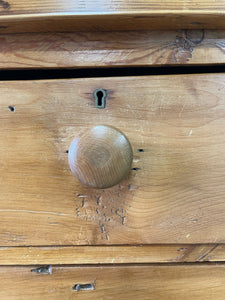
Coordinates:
<point>100,96</point>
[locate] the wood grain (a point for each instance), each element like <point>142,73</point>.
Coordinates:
<point>90,255</point>
<point>70,15</point>
<point>100,156</point>
<point>169,282</point>
<point>102,49</point>
<point>115,6</point>
<point>175,191</point>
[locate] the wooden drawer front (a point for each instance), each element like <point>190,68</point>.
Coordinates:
<point>133,282</point>
<point>88,49</point>
<point>175,191</point>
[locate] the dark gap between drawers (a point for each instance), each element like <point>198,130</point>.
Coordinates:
<point>40,74</point>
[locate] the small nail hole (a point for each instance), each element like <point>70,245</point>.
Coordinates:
<point>11,108</point>
<point>140,150</point>
<point>100,96</point>
<point>135,169</point>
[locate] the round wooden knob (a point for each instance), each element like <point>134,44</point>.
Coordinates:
<point>100,157</point>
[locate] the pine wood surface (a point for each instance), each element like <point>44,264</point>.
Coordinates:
<point>109,49</point>
<point>114,6</point>
<point>174,192</point>
<point>70,15</point>
<point>77,255</point>
<point>171,282</point>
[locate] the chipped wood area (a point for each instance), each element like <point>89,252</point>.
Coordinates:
<point>77,255</point>
<point>107,207</point>
<point>198,281</point>
<point>102,49</point>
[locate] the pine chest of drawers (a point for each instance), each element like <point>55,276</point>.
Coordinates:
<point>159,232</point>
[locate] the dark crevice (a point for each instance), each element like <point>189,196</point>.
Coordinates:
<point>135,169</point>
<point>11,108</point>
<point>83,287</point>
<point>43,270</point>
<point>38,74</point>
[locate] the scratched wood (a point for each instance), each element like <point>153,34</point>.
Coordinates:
<point>170,282</point>
<point>77,255</point>
<point>174,192</point>
<point>51,15</point>
<point>101,49</point>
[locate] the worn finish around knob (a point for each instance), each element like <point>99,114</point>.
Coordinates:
<point>100,157</point>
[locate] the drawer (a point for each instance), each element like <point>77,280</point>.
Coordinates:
<point>104,49</point>
<point>175,189</point>
<point>126,282</point>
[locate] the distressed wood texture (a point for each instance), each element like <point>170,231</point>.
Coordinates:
<point>169,282</point>
<point>52,15</point>
<point>174,192</point>
<point>102,49</point>
<point>77,255</point>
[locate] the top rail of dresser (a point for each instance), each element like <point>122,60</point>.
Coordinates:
<point>73,15</point>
